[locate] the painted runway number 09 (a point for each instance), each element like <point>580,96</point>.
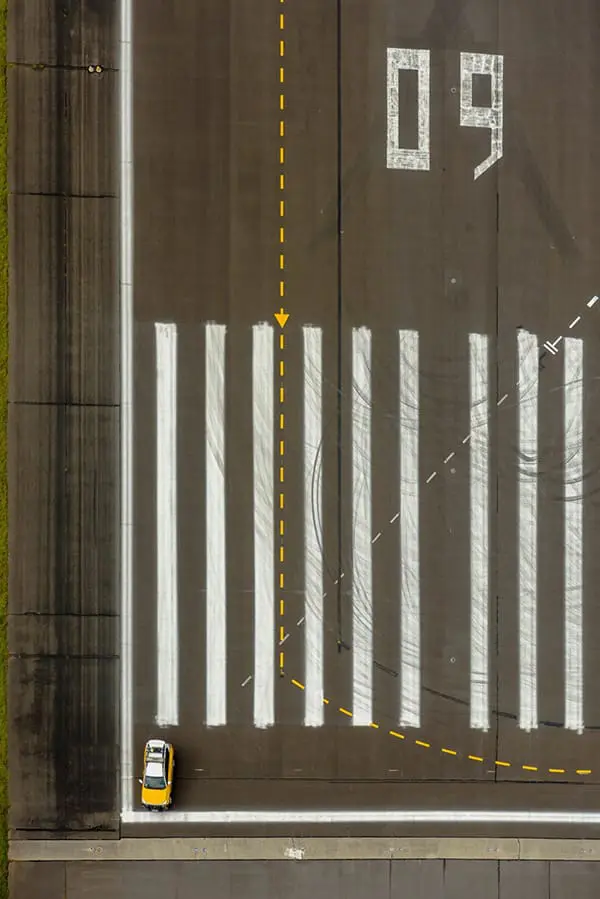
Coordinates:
<point>491,117</point>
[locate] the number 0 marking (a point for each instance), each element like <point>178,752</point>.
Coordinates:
<point>397,156</point>
<point>483,116</point>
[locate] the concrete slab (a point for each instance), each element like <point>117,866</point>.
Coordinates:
<point>73,34</point>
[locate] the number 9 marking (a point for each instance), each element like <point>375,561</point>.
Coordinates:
<point>483,116</point>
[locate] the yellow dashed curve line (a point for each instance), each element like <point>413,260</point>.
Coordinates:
<point>497,763</point>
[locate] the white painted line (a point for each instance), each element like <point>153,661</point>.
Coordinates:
<point>126,299</point>
<point>395,518</point>
<point>527,478</point>
<point>450,456</point>
<point>412,60</point>
<point>216,592</point>
<point>376,537</point>
<point>313,521</point>
<point>247,681</point>
<point>466,439</point>
<point>362,559</point>
<point>491,117</point>
<point>410,573</point>
<point>575,321</point>
<point>431,477</point>
<point>573,558</point>
<point>366,816</point>
<point>167,636</point>
<point>503,399</point>
<point>264,525</point>
<point>480,513</point>
<point>591,302</point>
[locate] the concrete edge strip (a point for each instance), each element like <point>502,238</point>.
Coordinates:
<point>299,849</point>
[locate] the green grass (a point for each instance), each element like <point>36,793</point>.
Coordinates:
<point>3,456</point>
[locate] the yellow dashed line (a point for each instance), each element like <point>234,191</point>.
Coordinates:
<point>474,758</point>
<point>282,321</point>
<point>281,585</point>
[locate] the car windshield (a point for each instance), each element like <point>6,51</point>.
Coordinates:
<point>154,783</point>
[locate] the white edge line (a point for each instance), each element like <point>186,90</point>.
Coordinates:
<point>126,319</point>
<point>378,816</point>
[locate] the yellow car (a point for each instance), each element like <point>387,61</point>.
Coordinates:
<point>157,780</point>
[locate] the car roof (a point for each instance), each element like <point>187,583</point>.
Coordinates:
<point>155,769</point>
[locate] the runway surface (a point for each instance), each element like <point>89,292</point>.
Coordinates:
<point>63,419</point>
<point>363,537</point>
<point>416,536</point>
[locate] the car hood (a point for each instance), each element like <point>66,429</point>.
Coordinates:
<point>154,797</point>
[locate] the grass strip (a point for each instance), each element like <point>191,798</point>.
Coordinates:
<point>3,456</point>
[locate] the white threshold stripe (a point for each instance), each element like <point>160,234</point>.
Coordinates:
<point>264,525</point>
<point>410,580</point>
<point>362,562</point>
<point>216,593</point>
<point>167,636</point>
<point>480,550</point>
<point>313,518</point>
<point>573,520</point>
<point>365,816</point>
<point>527,480</point>
<point>126,301</point>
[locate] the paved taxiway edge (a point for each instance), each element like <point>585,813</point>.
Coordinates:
<point>184,849</point>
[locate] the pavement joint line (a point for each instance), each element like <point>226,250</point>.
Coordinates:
<point>582,772</point>
<point>497,763</point>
